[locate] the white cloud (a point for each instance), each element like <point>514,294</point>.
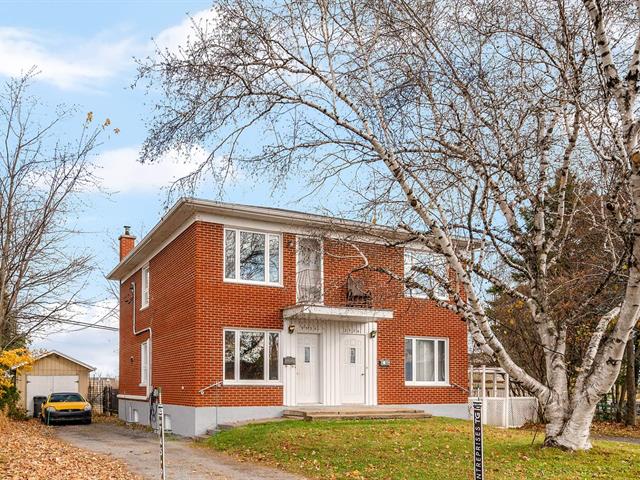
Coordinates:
<point>68,63</point>
<point>120,170</point>
<point>179,35</point>
<point>71,62</point>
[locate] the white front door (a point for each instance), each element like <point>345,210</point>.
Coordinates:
<point>308,368</point>
<point>352,374</point>
<point>44,385</point>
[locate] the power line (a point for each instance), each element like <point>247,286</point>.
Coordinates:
<point>88,325</point>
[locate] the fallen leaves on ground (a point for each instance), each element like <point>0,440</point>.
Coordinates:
<point>29,451</point>
<point>613,429</point>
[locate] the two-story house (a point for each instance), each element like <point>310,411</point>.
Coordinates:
<point>238,312</point>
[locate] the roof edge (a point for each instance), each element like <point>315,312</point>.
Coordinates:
<point>186,207</point>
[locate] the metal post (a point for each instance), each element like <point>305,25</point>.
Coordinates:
<point>163,472</point>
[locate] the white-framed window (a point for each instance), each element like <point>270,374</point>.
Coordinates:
<point>414,263</point>
<point>144,299</point>
<point>309,285</point>
<point>144,363</point>
<point>251,356</point>
<point>426,361</point>
<point>252,257</point>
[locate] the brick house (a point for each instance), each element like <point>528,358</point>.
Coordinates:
<point>239,312</point>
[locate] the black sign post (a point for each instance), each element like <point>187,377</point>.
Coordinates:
<point>478,461</point>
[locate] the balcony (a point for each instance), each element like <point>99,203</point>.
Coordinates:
<point>357,305</point>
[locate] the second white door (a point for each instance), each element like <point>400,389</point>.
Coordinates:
<point>352,372</point>
<point>308,369</point>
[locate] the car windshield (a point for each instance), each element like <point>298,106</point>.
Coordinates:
<point>66,397</point>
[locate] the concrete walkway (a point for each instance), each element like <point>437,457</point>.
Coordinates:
<point>140,450</point>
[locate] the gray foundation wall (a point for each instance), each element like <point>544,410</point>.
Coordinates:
<point>192,421</point>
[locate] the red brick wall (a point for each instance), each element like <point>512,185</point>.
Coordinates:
<point>224,304</point>
<point>412,317</point>
<point>172,316</point>
<point>190,305</point>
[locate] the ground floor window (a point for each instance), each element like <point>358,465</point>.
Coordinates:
<point>251,356</point>
<point>426,361</point>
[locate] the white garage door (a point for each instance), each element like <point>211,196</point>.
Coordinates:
<point>43,385</point>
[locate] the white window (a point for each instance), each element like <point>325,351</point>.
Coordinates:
<point>426,361</point>
<point>144,363</point>
<point>309,270</point>
<point>251,356</point>
<point>252,257</point>
<point>415,264</point>
<point>144,301</point>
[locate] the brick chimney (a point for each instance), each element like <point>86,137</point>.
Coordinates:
<point>127,242</point>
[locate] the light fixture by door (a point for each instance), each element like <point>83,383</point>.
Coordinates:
<point>292,328</point>
<point>373,333</point>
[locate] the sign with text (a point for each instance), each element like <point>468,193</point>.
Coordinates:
<point>478,462</point>
<point>163,468</point>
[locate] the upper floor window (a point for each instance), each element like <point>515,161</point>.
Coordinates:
<point>309,270</point>
<point>252,257</point>
<point>426,361</point>
<point>415,265</point>
<point>144,300</point>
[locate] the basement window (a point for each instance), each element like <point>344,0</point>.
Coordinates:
<point>252,257</point>
<point>426,361</point>
<point>251,357</point>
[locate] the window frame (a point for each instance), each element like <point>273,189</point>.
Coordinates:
<point>145,360</point>
<point>414,293</point>
<point>321,242</point>
<point>145,280</point>
<point>237,279</point>
<point>267,342</point>
<point>434,383</point>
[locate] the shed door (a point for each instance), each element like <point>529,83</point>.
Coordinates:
<point>43,385</point>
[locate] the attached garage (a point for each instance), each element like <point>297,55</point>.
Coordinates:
<point>53,372</point>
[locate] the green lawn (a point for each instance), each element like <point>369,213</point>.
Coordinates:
<point>435,448</point>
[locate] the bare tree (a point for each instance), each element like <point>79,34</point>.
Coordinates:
<point>449,120</point>
<point>42,275</point>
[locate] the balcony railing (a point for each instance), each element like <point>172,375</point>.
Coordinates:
<point>310,286</point>
<point>310,290</point>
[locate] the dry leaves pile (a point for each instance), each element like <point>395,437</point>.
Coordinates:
<point>29,451</point>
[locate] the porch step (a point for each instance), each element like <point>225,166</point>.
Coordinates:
<point>354,413</point>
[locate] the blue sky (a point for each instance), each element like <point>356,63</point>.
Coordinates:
<point>85,53</point>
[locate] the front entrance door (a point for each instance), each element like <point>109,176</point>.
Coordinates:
<point>308,368</point>
<point>352,374</point>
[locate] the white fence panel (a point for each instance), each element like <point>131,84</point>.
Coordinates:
<point>508,411</point>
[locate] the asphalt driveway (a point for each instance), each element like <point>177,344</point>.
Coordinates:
<point>140,450</point>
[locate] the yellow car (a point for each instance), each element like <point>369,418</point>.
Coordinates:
<point>65,406</point>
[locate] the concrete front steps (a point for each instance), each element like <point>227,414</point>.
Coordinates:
<point>353,413</point>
